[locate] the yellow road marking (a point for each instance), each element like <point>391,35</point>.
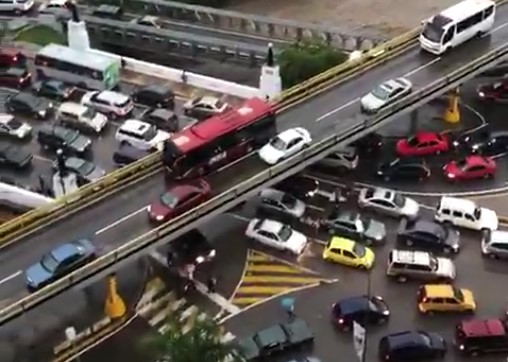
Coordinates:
<point>263,289</point>
<point>278,279</point>
<point>272,268</point>
<point>245,301</point>
<point>257,257</point>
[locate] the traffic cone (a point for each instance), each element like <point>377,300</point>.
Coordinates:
<point>115,306</point>
<point>452,112</point>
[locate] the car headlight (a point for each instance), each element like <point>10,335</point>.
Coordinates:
<point>386,312</point>
<point>461,347</point>
<point>475,147</point>
<point>149,208</point>
<point>481,94</point>
<point>159,217</point>
<point>200,259</point>
<point>42,112</point>
<point>450,175</point>
<point>455,247</point>
<point>380,172</point>
<point>455,143</point>
<point>212,253</point>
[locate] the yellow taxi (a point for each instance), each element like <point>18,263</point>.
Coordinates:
<point>445,298</point>
<point>348,252</point>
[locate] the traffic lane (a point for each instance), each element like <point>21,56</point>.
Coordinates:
<point>96,223</point>
<point>42,328</point>
<point>473,272</point>
<point>421,68</point>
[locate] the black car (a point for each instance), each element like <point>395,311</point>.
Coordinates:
<point>127,154</point>
<point>353,226</point>
<point>404,169</point>
<point>29,105</point>
<point>428,234</point>
<point>13,155</point>
<point>411,346</point>
<point>69,140</point>
<point>493,144</point>
<point>191,248</point>
<point>159,96</point>
<point>162,118</point>
<point>362,309</point>
<point>370,144</point>
<point>299,186</point>
<point>53,89</point>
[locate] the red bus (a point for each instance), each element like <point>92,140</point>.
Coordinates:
<point>219,140</point>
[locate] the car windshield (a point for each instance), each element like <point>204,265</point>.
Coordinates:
<point>289,201</point>
<point>150,133</point>
<point>461,163</point>
<point>359,250</point>
<point>433,31</point>
<point>85,168</point>
<point>399,200</point>
<point>433,263</point>
<point>413,141</point>
<point>457,293</point>
<point>478,213</point>
<point>69,135</point>
<point>89,113</point>
<point>285,233</point>
<point>380,92</point>
<point>14,123</point>
<point>49,263</point>
<point>278,144</point>
<point>169,200</point>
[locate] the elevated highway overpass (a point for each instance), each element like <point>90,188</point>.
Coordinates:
<point>115,221</point>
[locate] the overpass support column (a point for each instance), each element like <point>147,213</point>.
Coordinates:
<point>413,126</point>
<point>114,306</point>
<point>452,112</point>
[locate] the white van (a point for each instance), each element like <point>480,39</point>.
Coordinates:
<point>465,213</point>
<point>457,24</point>
<point>81,117</point>
<point>18,6</point>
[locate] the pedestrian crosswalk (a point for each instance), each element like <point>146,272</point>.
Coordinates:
<point>158,306</point>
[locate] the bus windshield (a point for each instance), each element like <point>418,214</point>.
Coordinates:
<point>433,32</point>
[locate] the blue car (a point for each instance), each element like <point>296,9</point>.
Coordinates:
<point>60,261</point>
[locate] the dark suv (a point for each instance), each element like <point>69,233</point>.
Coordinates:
<point>370,309</point>
<point>190,248</point>
<point>476,336</point>
<point>411,346</point>
<point>299,186</point>
<point>70,141</point>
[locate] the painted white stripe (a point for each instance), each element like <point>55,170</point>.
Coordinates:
<point>161,316</point>
<point>121,220</point>
<point>10,277</point>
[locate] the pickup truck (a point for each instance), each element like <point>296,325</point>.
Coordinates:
<point>277,338</point>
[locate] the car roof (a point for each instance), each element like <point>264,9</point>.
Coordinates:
<point>156,88</point>
<point>74,161</point>
<point>181,190</point>
<point>393,84</point>
<point>207,100</point>
<point>427,226</point>
<point>347,215</point>
<point>403,338</point>
<point>26,97</point>
<point>16,71</point>
<point>411,256</point>
<point>148,18</point>
<point>64,251</point>
<point>72,107</point>
<point>135,125</point>
<point>5,117</point>
<point>162,113</point>
<point>481,328</point>
<point>4,145</point>
<point>271,225</point>
<point>57,2</point>
<point>272,194</point>
<point>112,97</point>
<point>439,290</point>
<point>455,202</point>
<point>288,135</point>
<point>382,193</point>
<point>353,304</point>
<point>499,237</point>
<point>342,243</point>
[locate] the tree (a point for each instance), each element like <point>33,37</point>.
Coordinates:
<point>178,343</point>
<point>303,60</point>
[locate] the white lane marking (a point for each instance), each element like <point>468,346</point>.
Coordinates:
<point>119,221</point>
<point>497,29</point>
<point>10,277</point>
<point>317,208</point>
<point>351,102</point>
<point>45,159</point>
<point>422,67</point>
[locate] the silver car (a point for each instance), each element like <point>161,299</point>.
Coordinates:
<point>388,202</point>
<point>275,201</point>
<point>345,159</point>
<point>495,244</point>
<point>12,127</point>
<point>384,94</point>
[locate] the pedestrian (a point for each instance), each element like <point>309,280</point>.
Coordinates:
<point>288,305</point>
<point>211,283</point>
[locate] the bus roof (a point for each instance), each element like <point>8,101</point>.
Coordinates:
<point>466,8</point>
<point>216,126</point>
<point>79,57</point>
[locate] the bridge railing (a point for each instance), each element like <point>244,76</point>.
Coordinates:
<point>255,25</point>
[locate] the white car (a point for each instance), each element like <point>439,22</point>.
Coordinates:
<point>10,126</point>
<point>111,103</point>
<point>285,145</point>
<point>55,7</point>
<point>276,235</point>
<point>384,94</point>
<point>204,107</point>
<point>141,135</point>
<point>388,202</point>
<point>148,20</point>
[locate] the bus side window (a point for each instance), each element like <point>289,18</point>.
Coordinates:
<point>488,12</point>
<point>448,36</point>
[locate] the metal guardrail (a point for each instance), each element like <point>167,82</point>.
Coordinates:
<point>254,25</point>
<point>134,36</point>
<point>355,127</point>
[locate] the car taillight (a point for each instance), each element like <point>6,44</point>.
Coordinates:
<point>340,321</point>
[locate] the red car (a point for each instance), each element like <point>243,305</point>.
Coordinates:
<point>423,144</point>
<point>497,92</point>
<point>179,199</point>
<point>15,77</point>
<point>471,167</point>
